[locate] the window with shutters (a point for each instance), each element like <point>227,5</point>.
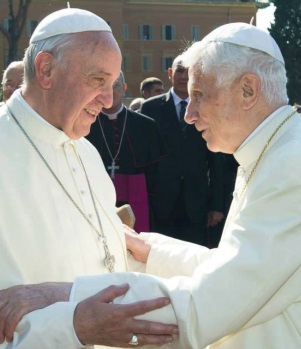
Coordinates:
<point>168,32</point>
<point>145,32</point>
<point>146,63</point>
<point>126,63</point>
<point>167,62</point>
<point>125,31</point>
<point>195,33</point>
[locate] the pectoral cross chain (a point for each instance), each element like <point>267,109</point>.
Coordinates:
<point>110,263</point>
<point>113,167</point>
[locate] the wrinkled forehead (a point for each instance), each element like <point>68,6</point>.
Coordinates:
<point>196,71</point>
<point>197,79</point>
<point>194,76</point>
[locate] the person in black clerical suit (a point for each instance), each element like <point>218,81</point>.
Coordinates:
<point>131,147</point>
<point>189,192</point>
<point>229,177</point>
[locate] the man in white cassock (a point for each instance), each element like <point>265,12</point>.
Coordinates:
<point>246,293</point>
<point>58,218</point>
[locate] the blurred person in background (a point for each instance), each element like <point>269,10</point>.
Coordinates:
<point>12,79</point>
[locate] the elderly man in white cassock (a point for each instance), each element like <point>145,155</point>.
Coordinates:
<point>57,203</point>
<point>246,293</point>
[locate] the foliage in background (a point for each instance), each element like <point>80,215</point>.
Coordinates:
<point>287,32</point>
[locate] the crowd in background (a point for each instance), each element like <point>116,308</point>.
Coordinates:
<point>73,154</point>
<point>171,189</point>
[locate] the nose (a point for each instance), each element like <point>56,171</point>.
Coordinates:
<point>191,115</point>
<point>105,97</point>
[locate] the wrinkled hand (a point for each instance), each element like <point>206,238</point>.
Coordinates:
<point>136,245</point>
<point>96,322</point>
<point>214,218</point>
<point>16,301</point>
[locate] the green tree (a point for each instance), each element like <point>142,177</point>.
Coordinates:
<point>17,20</point>
<point>287,32</point>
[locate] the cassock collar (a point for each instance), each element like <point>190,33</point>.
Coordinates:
<point>33,123</point>
<point>114,115</point>
<point>250,150</point>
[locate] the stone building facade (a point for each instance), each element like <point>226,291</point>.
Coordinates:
<point>151,33</point>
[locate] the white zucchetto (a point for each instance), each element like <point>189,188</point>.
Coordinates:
<point>68,21</point>
<point>247,35</point>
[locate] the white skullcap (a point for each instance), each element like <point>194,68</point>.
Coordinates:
<point>67,21</point>
<point>247,35</point>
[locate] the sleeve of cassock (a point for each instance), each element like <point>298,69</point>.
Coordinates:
<point>252,277</point>
<point>47,328</point>
<point>249,279</point>
<point>143,287</point>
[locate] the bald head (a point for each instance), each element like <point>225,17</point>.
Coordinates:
<point>12,78</point>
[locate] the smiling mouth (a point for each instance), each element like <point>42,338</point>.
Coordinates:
<point>91,112</point>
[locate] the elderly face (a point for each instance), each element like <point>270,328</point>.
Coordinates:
<point>214,111</point>
<point>12,81</point>
<point>83,86</point>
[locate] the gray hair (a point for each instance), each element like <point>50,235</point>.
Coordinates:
<point>57,45</point>
<point>120,80</point>
<point>228,61</point>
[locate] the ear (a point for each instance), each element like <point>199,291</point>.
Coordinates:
<point>251,86</point>
<point>169,72</point>
<point>43,67</point>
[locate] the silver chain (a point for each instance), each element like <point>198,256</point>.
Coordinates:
<point>121,138</point>
<point>109,260</point>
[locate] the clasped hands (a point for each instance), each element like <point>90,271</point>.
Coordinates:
<point>96,319</point>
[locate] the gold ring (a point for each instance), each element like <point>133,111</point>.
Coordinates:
<point>134,340</point>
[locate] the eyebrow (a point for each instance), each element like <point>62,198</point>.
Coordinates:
<point>100,73</point>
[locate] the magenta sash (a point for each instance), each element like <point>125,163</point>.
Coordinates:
<point>132,189</point>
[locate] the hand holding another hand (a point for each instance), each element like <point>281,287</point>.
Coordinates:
<point>98,321</point>
<point>136,245</point>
